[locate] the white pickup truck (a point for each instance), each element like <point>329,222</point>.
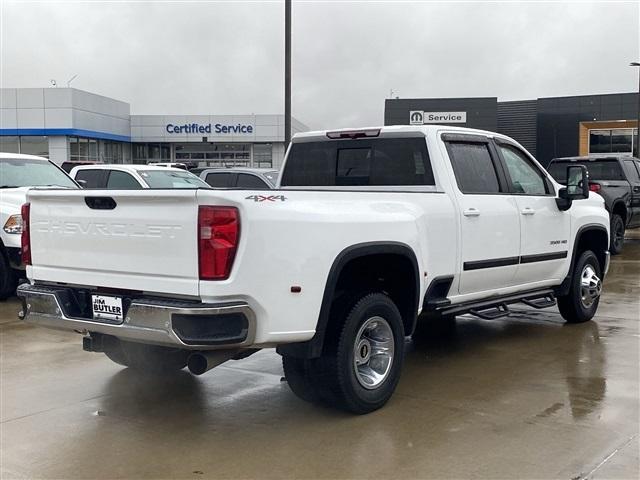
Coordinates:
<point>367,230</point>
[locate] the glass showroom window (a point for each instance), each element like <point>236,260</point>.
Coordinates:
<point>83,149</point>
<point>262,155</point>
<point>36,145</point>
<point>9,144</point>
<point>110,152</point>
<point>31,145</point>
<point>616,140</point>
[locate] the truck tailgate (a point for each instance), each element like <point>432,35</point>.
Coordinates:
<point>146,242</point>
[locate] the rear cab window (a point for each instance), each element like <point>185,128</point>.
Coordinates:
<point>606,169</point>
<point>379,161</point>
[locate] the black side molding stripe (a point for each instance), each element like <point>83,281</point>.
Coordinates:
<point>507,261</point>
<point>543,257</point>
<point>494,262</point>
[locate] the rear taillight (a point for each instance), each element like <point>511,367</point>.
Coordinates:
<point>595,187</point>
<point>25,242</point>
<point>218,237</point>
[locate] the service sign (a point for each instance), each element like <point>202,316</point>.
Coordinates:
<point>417,117</point>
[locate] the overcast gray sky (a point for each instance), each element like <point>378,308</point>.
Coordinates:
<point>212,57</point>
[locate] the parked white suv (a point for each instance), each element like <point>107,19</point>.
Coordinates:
<point>18,173</point>
<point>366,230</point>
<point>134,177</point>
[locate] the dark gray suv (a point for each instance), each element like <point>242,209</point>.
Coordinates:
<point>617,180</point>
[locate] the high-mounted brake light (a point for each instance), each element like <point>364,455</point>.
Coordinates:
<point>218,237</point>
<point>25,240</point>
<point>374,132</point>
<point>595,187</point>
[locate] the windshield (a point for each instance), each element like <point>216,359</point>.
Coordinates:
<point>171,179</point>
<point>605,169</point>
<point>18,172</point>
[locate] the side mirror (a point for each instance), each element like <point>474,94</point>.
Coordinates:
<point>82,183</point>
<point>577,186</point>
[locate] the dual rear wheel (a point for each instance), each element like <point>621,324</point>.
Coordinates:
<point>360,366</point>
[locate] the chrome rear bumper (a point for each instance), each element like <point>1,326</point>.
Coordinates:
<point>175,323</point>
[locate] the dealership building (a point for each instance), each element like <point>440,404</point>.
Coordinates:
<point>547,127</point>
<point>69,124</point>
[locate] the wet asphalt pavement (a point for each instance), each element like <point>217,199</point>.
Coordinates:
<point>521,397</point>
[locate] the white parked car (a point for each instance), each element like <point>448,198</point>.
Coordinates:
<point>18,173</point>
<point>366,230</point>
<point>134,177</point>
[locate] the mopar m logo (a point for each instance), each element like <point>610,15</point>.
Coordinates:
<point>416,117</point>
<point>106,229</point>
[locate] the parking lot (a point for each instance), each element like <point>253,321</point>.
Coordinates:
<point>524,397</point>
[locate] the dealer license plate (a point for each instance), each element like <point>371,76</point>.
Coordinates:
<point>108,308</point>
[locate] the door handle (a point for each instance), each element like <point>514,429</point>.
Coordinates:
<point>471,212</point>
<point>636,189</point>
<point>528,211</point>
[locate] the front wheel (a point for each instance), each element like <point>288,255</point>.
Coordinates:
<point>581,303</point>
<point>360,366</point>
<point>617,234</point>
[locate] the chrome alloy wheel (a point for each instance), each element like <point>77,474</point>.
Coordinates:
<point>373,352</point>
<point>590,286</point>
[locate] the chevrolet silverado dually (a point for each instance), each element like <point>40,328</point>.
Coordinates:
<point>368,233</point>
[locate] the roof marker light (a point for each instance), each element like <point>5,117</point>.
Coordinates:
<point>353,134</point>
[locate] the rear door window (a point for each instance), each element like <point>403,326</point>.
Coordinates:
<point>94,178</point>
<point>221,180</point>
<point>473,167</point>
<point>122,181</point>
<point>632,171</point>
<point>246,180</point>
<point>363,162</point>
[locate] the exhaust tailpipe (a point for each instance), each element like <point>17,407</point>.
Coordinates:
<point>201,362</point>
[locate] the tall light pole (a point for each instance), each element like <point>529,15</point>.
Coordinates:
<point>287,73</point>
<point>637,64</point>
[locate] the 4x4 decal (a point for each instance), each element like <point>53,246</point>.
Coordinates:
<point>266,198</point>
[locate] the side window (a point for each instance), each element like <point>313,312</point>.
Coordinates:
<point>122,181</point>
<point>251,182</point>
<point>632,171</point>
<point>221,180</point>
<point>525,176</point>
<point>473,167</point>
<point>91,178</point>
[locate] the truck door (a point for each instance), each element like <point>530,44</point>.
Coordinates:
<point>489,219</point>
<point>544,229</point>
<point>633,174</point>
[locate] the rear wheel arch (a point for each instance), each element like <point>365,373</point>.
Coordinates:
<point>389,267</point>
<point>619,208</point>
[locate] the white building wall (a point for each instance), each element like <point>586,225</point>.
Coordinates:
<point>58,149</point>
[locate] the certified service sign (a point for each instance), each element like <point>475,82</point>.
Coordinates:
<point>417,117</point>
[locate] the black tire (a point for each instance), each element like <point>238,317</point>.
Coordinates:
<point>297,374</point>
<point>617,234</point>
<point>573,308</point>
<point>332,378</point>
<point>146,358</point>
<point>8,278</point>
